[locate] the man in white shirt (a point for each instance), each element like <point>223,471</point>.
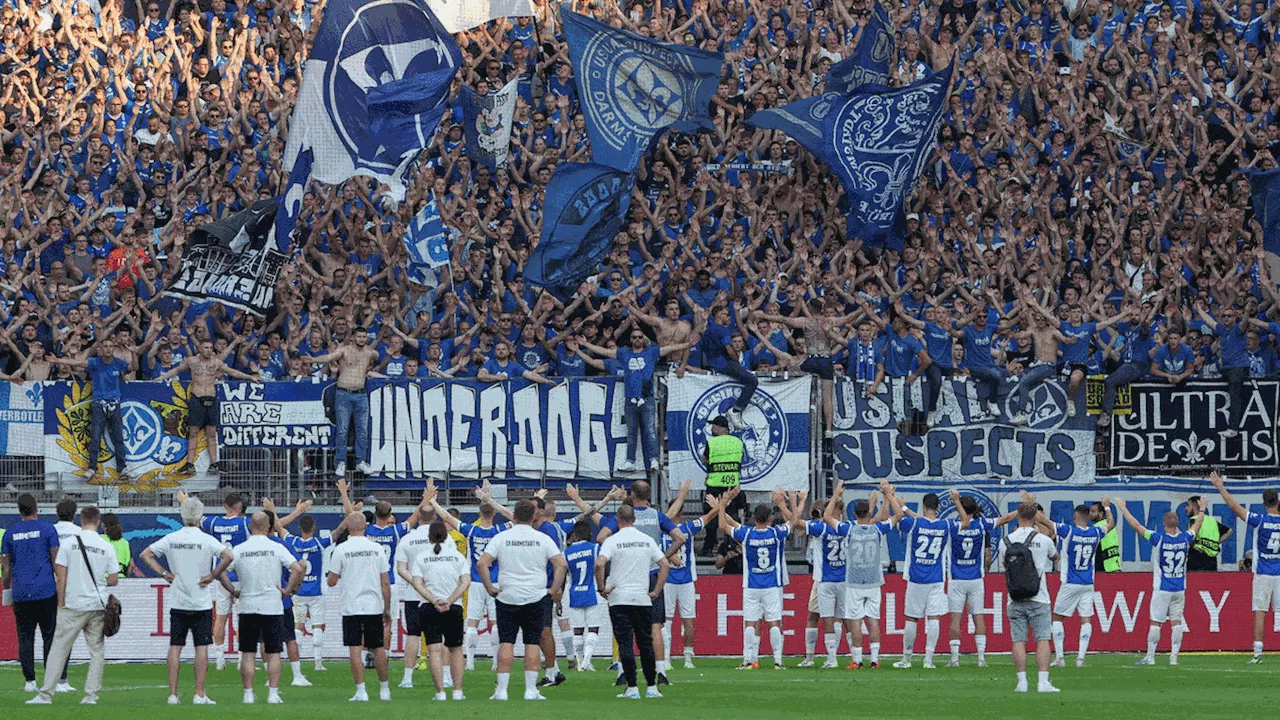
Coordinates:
<point>190,553</point>
<point>1032,613</point>
<point>361,565</point>
<point>629,555</point>
<point>258,563</point>
<point>81,566</point>
<point>522,597</point>
<point>67,532</point>
<point>408,550</point>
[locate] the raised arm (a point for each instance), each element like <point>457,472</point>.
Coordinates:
<point>1133,521</point>
<point>1221,485</point>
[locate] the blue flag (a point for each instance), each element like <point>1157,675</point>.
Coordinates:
<point>633,88</point>
<point>373,90</point>
<point>486,120</point>
<point>426,242</point>
<point>869,63</point>
<point>878,141</point>
<point>291,203</point>
<point>802,119</point>
<point>586,206</point>
<point>1264,187</point>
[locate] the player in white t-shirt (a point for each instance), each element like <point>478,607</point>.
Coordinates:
<point>189,552</point>
<point>360,565</point>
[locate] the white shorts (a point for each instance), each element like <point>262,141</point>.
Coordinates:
<point>308,606</point>
<point>762,604</point>
<point>1073,599</point>
<point>222,602</point>
<point>1167,606</point>
<point>831,599</point>
<point>1266,593</point>
<point>972,593</point>
<point>925,600</point>
<point>813,598</point>
<point>862,603</point>
<point>592,616</point>
<point>480,603</point>
<point>682,597</point>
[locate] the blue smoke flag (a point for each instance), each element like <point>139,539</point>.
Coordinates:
<point>373,90</point>
<point>291,203</point>
<point>586,206</point>
<point>633,88</point>
<point>426,242</point>
<point>486,120</point>
<point>869,63</point>
<point>878,141</point>
<point>803,119</point>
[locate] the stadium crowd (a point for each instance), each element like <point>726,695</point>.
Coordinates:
<point>1089,171</point>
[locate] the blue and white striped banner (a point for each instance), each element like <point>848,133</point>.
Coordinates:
<point>22,418</point>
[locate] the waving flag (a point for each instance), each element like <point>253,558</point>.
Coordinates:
<point>373,90</point>
<point>869,63</point>
<point>291,203</point>
<point>878,141</point>
<point>802,119</point>
<point>426,241</point>
<point>233,261</point>
<point>459,15</point>
<point>1128,147</point>
<point>633,88</point>
<point>486,120</point>
<point>585,209</point>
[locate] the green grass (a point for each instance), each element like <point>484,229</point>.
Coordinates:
<point>1110,686</point>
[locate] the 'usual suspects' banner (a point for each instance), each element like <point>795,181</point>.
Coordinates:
<point>869,445</point>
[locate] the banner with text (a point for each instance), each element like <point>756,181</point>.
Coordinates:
<point>776,438</point>
<point>22,418</point>
<point>869,445</point>
<point>1175,428</point>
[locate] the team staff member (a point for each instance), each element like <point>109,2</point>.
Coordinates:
<point>407,551</point>
<point>1209,539</point>
<point>628,555</point>
<point>80,566</point>
<point>523,602</point>
<point>190,553</point>
<point>480,604</point>
<point>723,460</point>
<point>441,576</point>
<point>258,561</point>
<point>27,554</point>
<point>361,564</point>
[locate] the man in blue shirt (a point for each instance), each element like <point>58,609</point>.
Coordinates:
<point>587,610</point>
<point>764,568</point>
<point>1169,551</point>
<point>1235,362</point>
<point>1265,527</point>
<point>925,536</point>
<point>308,603</point>
<point>1135,359</point>
<point>1079,544</point>
<point>1173,360</point>
<point>106,371</point>
<point>720,354</point>
<point>27,553</point>
<point>968,561</point>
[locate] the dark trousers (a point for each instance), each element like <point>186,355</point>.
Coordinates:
<point>1235,378</point>
<point>734,511</point>
<point>933,376</point>
<point>631,625</point>
<point>28,615</point>
<point>100,420</point>
<point>1125,374</point>
<point>748,380</point>
<point>1199,562</point>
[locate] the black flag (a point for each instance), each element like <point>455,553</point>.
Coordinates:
<point>233,261</point>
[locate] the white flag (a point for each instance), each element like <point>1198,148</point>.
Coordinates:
<point>459,15</point>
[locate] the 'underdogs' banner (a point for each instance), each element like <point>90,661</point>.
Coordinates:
<point>868,444</point>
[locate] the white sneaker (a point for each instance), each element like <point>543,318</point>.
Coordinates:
<point>630,694</point>
<point>1022,687</point>
<point>39,700</point>
<point>993,410</point>
<point>220,665</point>
<point>64,687</point>
<point>652,693</point>
<point>457,695</point>
<point>440,696</point>
<point>340,470</point>
<point>1173,660</point>
<point>903,664</point>
<point>1071,409</point>
<point>405,684</point>
<point>300,681</point>
<point>319,667</point>
<point>202,700</point>
<point>360,696</point>
<point>248,698</point>
<point>653,463</point>
<point>1046,686</point>
<point>1058,662</point>
<point>953,663</point>
<point>275,699</point>
<point>982,663</point>
<point>805,663</point>
<point>931,419</point>
<point>86,700</point>
<point>688,664</point>
<point>533,695</point>
<point>829,665</point>
<point>173,700</point>
<point>1021,419</point>
<point>364,468</point>
<point>30,686</point>
<point>734,416</point>
<point>1146,661</point>
<point>1079,662</point>
<point>587,667</point>
<point>471,665</point>
<point>384,694</point>
<point>928,666</point>
<point>498,696</point>
<point>626,466</point>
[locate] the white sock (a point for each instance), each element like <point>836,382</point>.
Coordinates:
<point>981,640</point>
<point>688,653</point>
<point>359,689</point>
<point>1177,641</point>
<point>408,672</point>
<point>1043,677</point>
<point>909,640</point>
<point>810,642</point>
<point>833,644</point>
<point>1059,638</point>
<point>838,627</point>
<point>1153,639</point>
<point>748,642</point>
<point>589,646</point>
<point>775,642</point>
<point>530,680</point>
<point>1022,678</point>
<point>296,667</point>
<point>1257,648</point>
<point>578,642</point>
<point>503,680</point>
<point>469,639</point>
<point>930,638</point>
<point>666,644</point>
<point>857,652</point>
<point>317,644</point>
<point>566,644</point>
<point>875,652</point>
<point>553,670</point>
<point>955,651</point>
<point>384,685</point>
<point>1086,632</point>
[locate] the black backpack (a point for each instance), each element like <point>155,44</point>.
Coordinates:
<point>1021,577</point>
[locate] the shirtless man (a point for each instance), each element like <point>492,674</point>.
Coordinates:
<point>203,413</point>
<point>821,333</point>
<point>1045,338</point>
<point>33,366</point>
<point>351,401</point>
<point>668,330</point>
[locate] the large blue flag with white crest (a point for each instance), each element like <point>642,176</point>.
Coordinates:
<point>633,88</point>
<point>869,63</point>
<point>426,241</point>
<point>1264,187</point>
<point>878,141</point>
<point>373,90</point>
<point>586,206</point>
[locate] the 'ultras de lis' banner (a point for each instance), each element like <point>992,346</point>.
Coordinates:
<point>868,444</point>
<point>775,441</point>
<point>1178,427</point>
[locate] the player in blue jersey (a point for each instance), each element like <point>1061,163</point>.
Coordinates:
<point>1169,550</point>
<point>925,536</point>
<point>1266,556</point>
<point>679,594</point>
<point>308,603</point>
<point>764,575</point>
<point>231,529</point>
<point>829,572</point>
<point>966,588</point>
<point>587,610</point>
<point>864,573</point>
<point>1078,543</point>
